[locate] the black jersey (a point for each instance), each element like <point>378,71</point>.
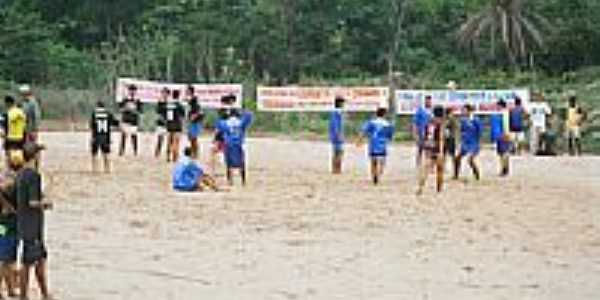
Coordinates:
<point>175,115</point>
<point>161,112</point>
<point>101,123</point>
<point>130,111</point>
<point>195,114</point>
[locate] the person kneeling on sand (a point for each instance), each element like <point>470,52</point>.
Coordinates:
<point>188,175</point>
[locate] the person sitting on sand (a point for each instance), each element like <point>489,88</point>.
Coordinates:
<point>188,175</point>
<point>433,146</point>
<point>234,134</point>
<point>30,222</point>
<point>380,132</point>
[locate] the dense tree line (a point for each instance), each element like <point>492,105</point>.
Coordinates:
<point>87,43</point>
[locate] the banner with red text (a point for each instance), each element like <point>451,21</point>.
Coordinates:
<point>317,99</point>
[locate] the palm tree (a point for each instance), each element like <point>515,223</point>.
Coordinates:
<point>506,18</point>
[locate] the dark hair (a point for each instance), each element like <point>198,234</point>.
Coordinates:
<point>190,88</point>
<point>501,103</point>
<point>166,90</point>
<point>228,99</point>
<point>132,87</point>
<point>381,112</point>
<point>518,101</point>
<point>469,107</point>
<point>187,151</point>
<point>428,97</point>
<point>175,94</point>
<point>9,100</point>
<point>339,102</point>
<point>100,103</point>
<point>572,100</point>
<point>235,113</point>
<point>438,111</point>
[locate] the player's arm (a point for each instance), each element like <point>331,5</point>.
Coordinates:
<point>363,134</point>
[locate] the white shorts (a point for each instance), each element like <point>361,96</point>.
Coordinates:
<point>518,137</point>
<point>574,133</point>
<point>129,129</point>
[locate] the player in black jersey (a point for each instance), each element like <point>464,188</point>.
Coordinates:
<point>175,114</point>
<point>101,124</point>
<point>195,117</point>
<point>161,121</point>
<point>131,109</point>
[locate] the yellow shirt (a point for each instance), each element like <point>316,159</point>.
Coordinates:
<point>16,124</point>
<point>574,118</point>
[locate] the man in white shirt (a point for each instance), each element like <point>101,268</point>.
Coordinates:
<point>538,111</point>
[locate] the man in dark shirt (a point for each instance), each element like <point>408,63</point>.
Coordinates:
<point>161,121</point>
<point>101,123</point>
<point>195,118</point>
<point>131,109</point>
<point>175,115</point>
<point>30,222</point>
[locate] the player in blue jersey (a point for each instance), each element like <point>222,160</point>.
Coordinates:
<point>233,130</point>
<point>379,132</point>
<point>420,120</point>
<point>471,129</point>
<point>503,141</point>
<point>336,135</point>
<point>188,175</point>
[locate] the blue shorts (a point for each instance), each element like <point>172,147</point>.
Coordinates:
<point>502,146</point>
<point>8,249</point>
<point>234,157</point>
<point>194,130</point>
<point>466,149</point>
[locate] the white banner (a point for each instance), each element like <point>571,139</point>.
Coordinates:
<point>407,101</point>
<point>209,95</point>
<point>318,99</point>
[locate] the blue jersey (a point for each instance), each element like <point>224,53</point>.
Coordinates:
<point>379,132</point>
<point>496,127</point>
<point>336,127</point>
<point>471,130</point>
<point>421,119</point>
<point>516,119</point>
<point>233,131</point>
<point>186,175</point>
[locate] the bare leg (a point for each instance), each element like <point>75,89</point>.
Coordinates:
<point>439,163</point>
<point>134,143</point>
<point>42,278</point>
<point>243,174</point>
<point>474,167</point>
<point>423,174</point>
<point>229,176</point>
<point>106,163</point>
<point>374,171</point>
<point>122,145</point>
<point>194,146</point>
<point>457,166</point>
<point>175,146</point>
<point>169,145</point>
<point>24,282</point>
<point>158,148</point>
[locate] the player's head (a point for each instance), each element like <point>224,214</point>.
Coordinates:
<point>518,101</point>
<point>187,152</point>
<point>235,113</point>
<point>164,94</point>
<point>228,100</point>
<point>100,104</point>
<point>428,101</point>
<point>339,102</point>
<point>132,90</point>
<point>381,112</point>
<point>449,110</point>
<point>501,104</point>
<point>572,101</point>
<point>31,151</point>
<point>439,112</point>
<point>469,109</point>
<point>25,90</point>
<point>189,91</point>
<point>176,94</point>
<point>9,101</point>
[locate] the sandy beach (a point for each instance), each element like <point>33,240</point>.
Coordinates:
<point>297,232</point>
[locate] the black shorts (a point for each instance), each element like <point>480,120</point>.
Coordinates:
<point>33,251</point>
<point>450,146</point>
<point>100,146</point>
<point>14,144</point>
